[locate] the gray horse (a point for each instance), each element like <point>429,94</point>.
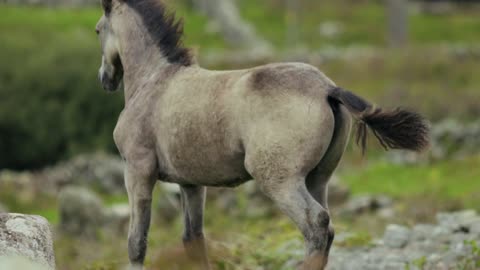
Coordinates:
<point>284,125</point>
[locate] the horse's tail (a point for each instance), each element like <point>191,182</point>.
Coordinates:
<point>395,129</point>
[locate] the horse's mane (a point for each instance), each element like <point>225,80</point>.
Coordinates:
<point>164,28</point>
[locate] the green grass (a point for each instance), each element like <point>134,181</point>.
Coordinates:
<point>361,23</point>
<point>271,241</point>
<point>452,180</point>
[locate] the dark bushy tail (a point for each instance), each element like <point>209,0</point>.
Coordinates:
<point>395,129</point>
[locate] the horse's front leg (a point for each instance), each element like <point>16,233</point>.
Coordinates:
<point>139,187</point>
<point>193,202</point>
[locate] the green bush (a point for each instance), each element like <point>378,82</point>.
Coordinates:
<point>52,104</point>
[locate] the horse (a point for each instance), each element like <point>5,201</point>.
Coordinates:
<point>284,125</point>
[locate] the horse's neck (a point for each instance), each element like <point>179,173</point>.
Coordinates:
<point>143,65</point>
<point>143,61</point>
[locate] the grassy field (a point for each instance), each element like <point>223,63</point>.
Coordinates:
<point>361,23</point>
<point>237,239</point>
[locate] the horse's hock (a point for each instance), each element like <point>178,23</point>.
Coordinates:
<point>25,242</point>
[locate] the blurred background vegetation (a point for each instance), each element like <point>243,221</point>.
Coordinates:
<point>52,106</point>
<point>420,54</point>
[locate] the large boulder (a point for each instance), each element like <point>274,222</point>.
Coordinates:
<point>81,211</point>
<point>25,242</point>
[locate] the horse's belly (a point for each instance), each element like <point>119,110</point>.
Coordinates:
<point>206,165</point>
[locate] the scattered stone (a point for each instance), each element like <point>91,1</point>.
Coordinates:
<point>425,246</point>
<point>26,237</point>
<point>365,204</point>
<point>422,232</point>
<point>101,171</point>
<point>396,236</point>
<point>459,221</point>
<point>81,211</point>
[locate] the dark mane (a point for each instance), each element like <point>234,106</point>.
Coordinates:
<point>164,28</point>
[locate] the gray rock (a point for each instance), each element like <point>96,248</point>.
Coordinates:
<point>365,204</point>
<point>100,171</point>
<point>422,232</point>
<point>81,211</point>
<point>396,236</point>
<point>459,221</point>
<point>26,237</point>
<point>425,247</point>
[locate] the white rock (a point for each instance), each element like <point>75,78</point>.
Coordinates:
<point>28,237</point>
<point>14,262</point>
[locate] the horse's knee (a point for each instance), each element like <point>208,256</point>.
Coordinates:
<point>318,247</point>
<point>320,234</point>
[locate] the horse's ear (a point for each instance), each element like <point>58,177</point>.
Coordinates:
<point>107,6</point>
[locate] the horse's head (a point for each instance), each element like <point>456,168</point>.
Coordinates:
<point>111,71</point>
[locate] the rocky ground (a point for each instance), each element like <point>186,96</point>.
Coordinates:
<point>89,196</point>
<point>452,243</point>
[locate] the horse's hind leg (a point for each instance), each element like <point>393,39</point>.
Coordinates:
<point>139,188</point>
<point>292,197</point>
<point>193,202</point>
<point>317,180</point>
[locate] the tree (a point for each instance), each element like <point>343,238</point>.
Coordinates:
<point>397,13</point>
<point>236,31</point>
